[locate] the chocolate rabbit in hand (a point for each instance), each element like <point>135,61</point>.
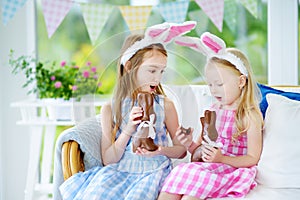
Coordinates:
<point>145,131</point>
<point>209,134</point>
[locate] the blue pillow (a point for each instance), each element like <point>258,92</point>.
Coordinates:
<point>266,89</point>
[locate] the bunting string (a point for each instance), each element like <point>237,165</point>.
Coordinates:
<point>96,14</point>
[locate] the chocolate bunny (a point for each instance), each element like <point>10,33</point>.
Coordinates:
<point>209,134</point>
<point>145,132</point>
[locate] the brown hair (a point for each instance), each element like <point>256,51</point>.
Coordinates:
<point>248,107</point>
<point>126,83</point>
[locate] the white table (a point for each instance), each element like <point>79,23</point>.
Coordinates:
<point>35,114</point>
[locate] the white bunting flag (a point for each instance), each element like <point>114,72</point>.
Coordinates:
<point>174,12</point>
<point>251,6</point>
<point>54,12</point>
<point>95,17</point>
<point>9,9</point>
<point>214,9</point>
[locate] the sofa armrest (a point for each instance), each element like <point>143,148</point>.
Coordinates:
<point>87,135</point>
<point>71,158</point>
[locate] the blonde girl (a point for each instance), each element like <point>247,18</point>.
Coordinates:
<point>228,171</point>
<point>126,174</point>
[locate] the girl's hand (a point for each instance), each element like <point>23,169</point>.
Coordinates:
<point>134,118</point>
<point>185,140</point>
<point>144,152</point>
<point>211,154</point>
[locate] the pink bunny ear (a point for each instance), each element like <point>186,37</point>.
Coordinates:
<point>157,30</point>
<point>179,29</point>
<point>161,33</point>
<point>211,44</point>
<point>214,43</point>
<point>216,47</point>
<point>192,42</point>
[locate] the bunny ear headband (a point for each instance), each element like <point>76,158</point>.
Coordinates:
<point>212,46</point>
<point>161,33</point>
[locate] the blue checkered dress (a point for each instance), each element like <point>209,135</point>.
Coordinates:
<point>132,178</point>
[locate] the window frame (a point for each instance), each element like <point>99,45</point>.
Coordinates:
<point>283,42</point>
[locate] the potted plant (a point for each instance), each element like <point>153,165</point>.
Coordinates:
<point>56,80</point>
<point>86,81</point>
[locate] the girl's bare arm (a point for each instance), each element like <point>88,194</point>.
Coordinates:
<point>254,149</point>
<point>112,151</point>
<point>171,121</point>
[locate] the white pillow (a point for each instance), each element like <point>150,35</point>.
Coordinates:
<point>279,165</point>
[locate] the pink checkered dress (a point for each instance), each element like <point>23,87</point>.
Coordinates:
<point>215,180</point>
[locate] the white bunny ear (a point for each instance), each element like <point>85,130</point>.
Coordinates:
<point>216,47</point>
<point>166,32</point>
<point>208,44</point>
<point>192,42</point>
<point>213,44</point>
<point>179,29</point>
<point>161,33</point>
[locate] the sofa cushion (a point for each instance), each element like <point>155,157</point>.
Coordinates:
<point>266,90</point>
<point>280,159</point>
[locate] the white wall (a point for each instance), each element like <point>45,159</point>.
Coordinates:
<point>14,141</point>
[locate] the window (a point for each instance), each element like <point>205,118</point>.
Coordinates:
<point>71,42</point>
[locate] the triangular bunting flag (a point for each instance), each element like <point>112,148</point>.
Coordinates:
<point>251,6</point>
<point>230,14</point>
<point>54,13</point>
<point>9,9</point>
<point>214,9</point>
<point>174,11</point>
<point>136,17</point>
<point>95,17</point>
<point>202,21</point>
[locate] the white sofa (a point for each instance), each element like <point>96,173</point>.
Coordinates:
<point>278,169</point>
